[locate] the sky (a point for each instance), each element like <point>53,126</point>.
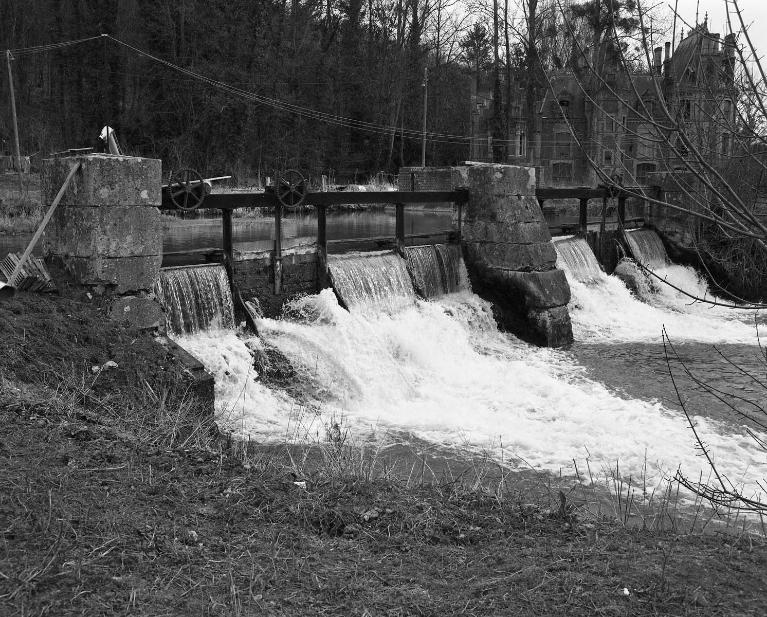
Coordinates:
<point>754,13</point>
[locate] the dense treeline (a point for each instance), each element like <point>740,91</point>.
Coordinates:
<point>349,58</point>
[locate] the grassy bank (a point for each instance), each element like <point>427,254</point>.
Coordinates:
<point>118,498</point>
<point>20,211</point>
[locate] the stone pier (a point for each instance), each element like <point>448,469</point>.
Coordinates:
<point>509,253</point>
<point>104,242</point>
<point>507,247</point>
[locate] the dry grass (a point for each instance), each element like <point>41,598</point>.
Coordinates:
<point>20,212</point>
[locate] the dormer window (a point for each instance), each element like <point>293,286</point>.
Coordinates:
<point>564,106</point>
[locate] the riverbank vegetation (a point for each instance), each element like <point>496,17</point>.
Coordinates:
<point>20,210</point>
<point>119,497</point>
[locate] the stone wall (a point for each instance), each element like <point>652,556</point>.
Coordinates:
<point>509,254</point>
<point>105,237</point>
<point>253,276</point>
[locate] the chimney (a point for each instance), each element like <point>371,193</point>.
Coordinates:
<point>656,60</point>
<point>667,59</point>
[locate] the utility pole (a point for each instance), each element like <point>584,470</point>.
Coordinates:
<point>15,121</point>
<point>425,99</point>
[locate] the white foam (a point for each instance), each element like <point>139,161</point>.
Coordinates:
<point>244,406</point>
<point>606,311</point>
<point>442,372</point>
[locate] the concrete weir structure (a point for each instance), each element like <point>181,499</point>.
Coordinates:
<point>104,242</point>
<point>507,247</point>
<point>105,238</point>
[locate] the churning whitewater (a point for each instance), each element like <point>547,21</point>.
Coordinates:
<point>603,309</point>
<point>440,371</point>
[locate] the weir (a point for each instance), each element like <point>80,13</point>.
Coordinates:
<point>647,248</point>
<point>195,298</point>
<point>366,282</point>
<point>436,269</point>
<point>574,255</point>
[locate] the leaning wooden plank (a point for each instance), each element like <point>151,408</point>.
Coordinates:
<point>43,224</point>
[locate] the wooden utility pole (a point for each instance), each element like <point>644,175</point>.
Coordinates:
<point>425,99</point>
<point>15,121</point>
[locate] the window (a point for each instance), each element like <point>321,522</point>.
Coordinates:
<point>643,172</point>
<point>562,146</point>
<point>564,106</point>
<point>646,142</point>
<point>727,110</point>
<point>608,157</point>
<point>522,144</point>
<point>725,145</point>
<point>562,172</point>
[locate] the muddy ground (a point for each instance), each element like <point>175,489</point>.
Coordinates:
<point>117,498</point>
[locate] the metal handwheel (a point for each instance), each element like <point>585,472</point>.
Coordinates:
<point>291,188</point>
<point>187,189</point>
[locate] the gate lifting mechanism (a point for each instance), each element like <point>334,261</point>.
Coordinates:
<point>187,189</point>
<point>291,188</point>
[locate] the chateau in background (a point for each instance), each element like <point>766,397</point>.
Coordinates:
<point>696,80</point>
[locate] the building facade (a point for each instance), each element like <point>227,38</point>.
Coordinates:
<point>591,126</point>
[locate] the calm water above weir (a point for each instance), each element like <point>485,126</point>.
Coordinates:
<point>301,228</point>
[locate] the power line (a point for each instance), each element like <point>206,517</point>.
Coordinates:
<point>25,51</point>
<point>280,105</point>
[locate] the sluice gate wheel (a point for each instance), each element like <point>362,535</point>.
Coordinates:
<point>291,188</point>
<point>187,189</point>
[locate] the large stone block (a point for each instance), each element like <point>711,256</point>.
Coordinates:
<point>103,180</point>
<point>519,233</point>
<point>492,177</point>
<point>551,327</point>
<point>118,231</point>
<point>114,275</point>
<point>144,313</point>
<point>510,256</point>
<point>541,290</point>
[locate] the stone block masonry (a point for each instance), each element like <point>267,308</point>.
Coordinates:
<point>105,238</point>
<point>509,255</point>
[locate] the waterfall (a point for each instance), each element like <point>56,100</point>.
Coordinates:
<point>195,298</point>
<point>436,270</point>
<point>647,248</point>
<point>574,256</point>
<point>377,282</point>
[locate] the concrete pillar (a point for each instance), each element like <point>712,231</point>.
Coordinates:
<point>509,253</point>
<point>105,239</point>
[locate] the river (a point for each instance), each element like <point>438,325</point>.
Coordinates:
<point>439,372</point>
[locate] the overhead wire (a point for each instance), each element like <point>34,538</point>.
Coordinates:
<point>278,104</point>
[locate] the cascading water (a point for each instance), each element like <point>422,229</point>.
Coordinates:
<point>441,372</point>
<point>686,288</point>
<point>574,256</point>
<point>406,370</point>
<point>372,282</point>
<point>436,270</point>
<point>603,309</point>
<point>647,248</point>
<point>195,298</point>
